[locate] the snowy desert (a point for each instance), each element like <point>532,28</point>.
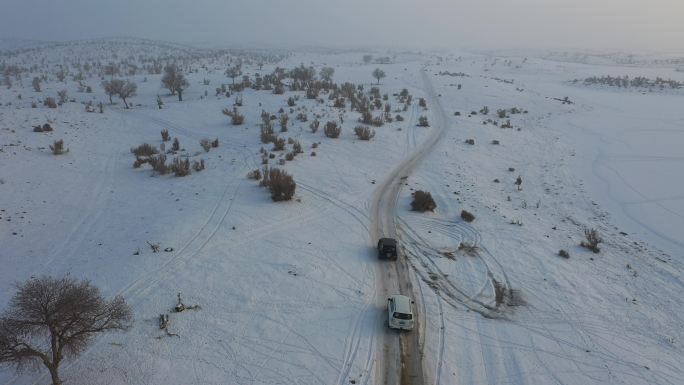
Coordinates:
<point>540,148</point>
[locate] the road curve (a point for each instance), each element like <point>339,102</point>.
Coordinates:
<point>399,358</point>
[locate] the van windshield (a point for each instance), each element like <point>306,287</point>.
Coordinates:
<point>402,315</point>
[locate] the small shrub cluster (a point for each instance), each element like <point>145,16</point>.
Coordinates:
<point>165,135</point>
<point>50,102</point>
<point>564,254</point>
<point>593,240</point>
<point>58,147</point>
<point>364,133</point>
<point>235,117</point>
<point>281,184</point>
<point>145,150</point>
<point>423,121</point>
<point>206,145</point>
<point>422,201</point>
<point>332,130</point>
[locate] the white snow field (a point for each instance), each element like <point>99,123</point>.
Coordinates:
<point>293,292</point>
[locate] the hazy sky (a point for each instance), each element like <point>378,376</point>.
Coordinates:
<point>634,25</point>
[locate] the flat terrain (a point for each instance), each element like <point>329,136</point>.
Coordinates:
<point>292,292</point>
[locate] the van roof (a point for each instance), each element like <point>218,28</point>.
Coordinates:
<point>402,304</point>
<point>388,241</point>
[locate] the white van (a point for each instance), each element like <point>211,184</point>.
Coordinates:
<point>400,312</point>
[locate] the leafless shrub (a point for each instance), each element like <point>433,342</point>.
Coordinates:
<point>144,150</point>
<point>50,102</point>
<point>215,143</point>
<point>176,145</point>
<point>198,165</point>
<point>332,130</point>
<point>364,133</point>
<point>254,174</point>
<point>279,144</point>
<point>314,125</point>
<point>470,142</point>
<point>423,121</point>
<point>206,145</point>
<point>165,135</point>
<point>62,94</point>
<point>564,254</point>
<point>180,167</point>
<point>422,201</point>
<point>58,147</point>
<point>267,135</point>
<point>593,240</point>
<point>280,183</point>
<point>158,164</point>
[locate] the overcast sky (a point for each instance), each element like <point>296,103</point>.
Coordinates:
<point>632,25</point>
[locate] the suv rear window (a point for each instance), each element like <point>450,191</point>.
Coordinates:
<point>402,315</point>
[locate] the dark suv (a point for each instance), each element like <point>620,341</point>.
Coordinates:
<point>387,248</point>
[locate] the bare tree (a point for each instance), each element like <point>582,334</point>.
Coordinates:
<point>112,87</point>
<point>174,80</point>
<point>233,72</point>
<point>127,90</point>
<point>378,74</point>
<point>50,319</point>
<point>327,73</point>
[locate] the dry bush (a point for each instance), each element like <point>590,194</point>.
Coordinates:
<point>50,102</point>
<point>593,240</point>
<point>215,143</point>
<point>58,147</point>
<point>144,150</point>
<point>470,142</point>
<point>235,117</point>
<point>364,133</point>
<point>180,167</point>
<point>422,201</point>
<point>176,145</point>
<point>165,135</point>
<point>280,183</point>
<point>332,130</point>
<point>314,126</point>
<point>267,135</point>
<point>158,164</point>
<point>198,165</point>
<point>205,145</point>
<point>564,254</point>
<point>297,147</point>
<point>467,216</point>
<point>254,174</point>
<point>290,156</point>
<point>278,144</point>
<point>139,162</point>
<point>423,121</point>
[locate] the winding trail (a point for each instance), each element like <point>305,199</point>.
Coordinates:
<point>400,360</point>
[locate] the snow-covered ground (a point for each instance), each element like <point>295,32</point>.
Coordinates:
<point>291,293</point>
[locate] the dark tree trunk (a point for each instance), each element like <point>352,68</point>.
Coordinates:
<point>180,95</point>
<point>54,374</point>
<point>124,100</point>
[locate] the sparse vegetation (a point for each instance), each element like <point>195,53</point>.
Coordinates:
<point>332,130</point>
<point>144,149</point>
<point>592,240</point>
<point>422,201</point>
<point>364,133</point>
<point>281,184</point>
<point>57,147</point>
